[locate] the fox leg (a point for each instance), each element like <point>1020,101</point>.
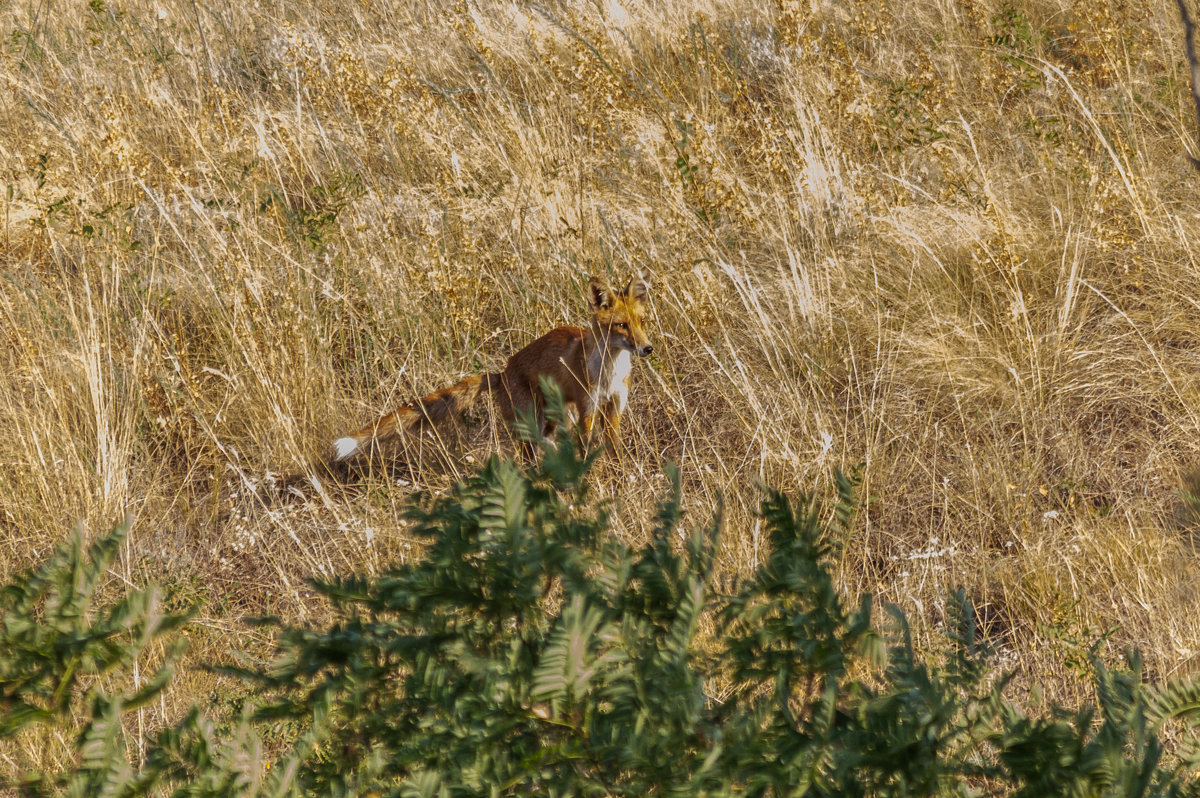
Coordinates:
<point>516,398</point>
<point>610,421</point>
<point>586,425</point>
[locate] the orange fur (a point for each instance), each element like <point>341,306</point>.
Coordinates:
<point>591,367</point>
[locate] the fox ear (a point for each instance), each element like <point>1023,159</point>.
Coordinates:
<point>636,289</point>
<point>599,294</point>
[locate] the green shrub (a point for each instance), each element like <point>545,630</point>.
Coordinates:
<point>66,666</point>
<point>530,652</point>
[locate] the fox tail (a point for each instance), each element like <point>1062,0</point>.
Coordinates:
<point>425,411</point>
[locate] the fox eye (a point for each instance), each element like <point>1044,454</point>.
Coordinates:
<point>621,328</point>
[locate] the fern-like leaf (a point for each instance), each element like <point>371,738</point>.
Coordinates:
<point>570,659</point>
<point>1178,698</point>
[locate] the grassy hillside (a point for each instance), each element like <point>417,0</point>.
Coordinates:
<point>954,242</point>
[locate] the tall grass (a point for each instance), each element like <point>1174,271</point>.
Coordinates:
<point>953,242</point>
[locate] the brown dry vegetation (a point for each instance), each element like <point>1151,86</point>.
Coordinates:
<point>952,241</point>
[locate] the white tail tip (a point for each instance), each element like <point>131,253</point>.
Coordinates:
<point>345,447</point>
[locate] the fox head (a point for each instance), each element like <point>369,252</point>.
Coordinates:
<point>620,316</point>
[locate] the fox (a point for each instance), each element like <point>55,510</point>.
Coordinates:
<point>592,368</point>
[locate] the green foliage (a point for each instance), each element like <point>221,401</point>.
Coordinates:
<point>312,212</point>
<point>1014,30</point>
<point>67,664</point>
<point>74,664</point>
<point>907,116</point>
<point>530,652</point>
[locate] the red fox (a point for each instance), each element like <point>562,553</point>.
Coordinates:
<point>591,367</point>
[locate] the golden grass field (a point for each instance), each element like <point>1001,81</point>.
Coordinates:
<point>953,241</point>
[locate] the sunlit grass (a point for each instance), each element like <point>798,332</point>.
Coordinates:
<point>953,242</point>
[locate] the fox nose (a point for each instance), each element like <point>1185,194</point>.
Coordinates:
<point>645,350</point>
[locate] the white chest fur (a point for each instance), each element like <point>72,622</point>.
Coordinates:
<point>614,380</point>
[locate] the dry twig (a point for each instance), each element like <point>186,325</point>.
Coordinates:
<point>1189,28</point>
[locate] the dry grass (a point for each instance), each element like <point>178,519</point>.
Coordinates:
<point>951,241</point>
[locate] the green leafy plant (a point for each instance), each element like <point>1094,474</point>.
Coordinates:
<point>530,652</point>
<point>67,664</point>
